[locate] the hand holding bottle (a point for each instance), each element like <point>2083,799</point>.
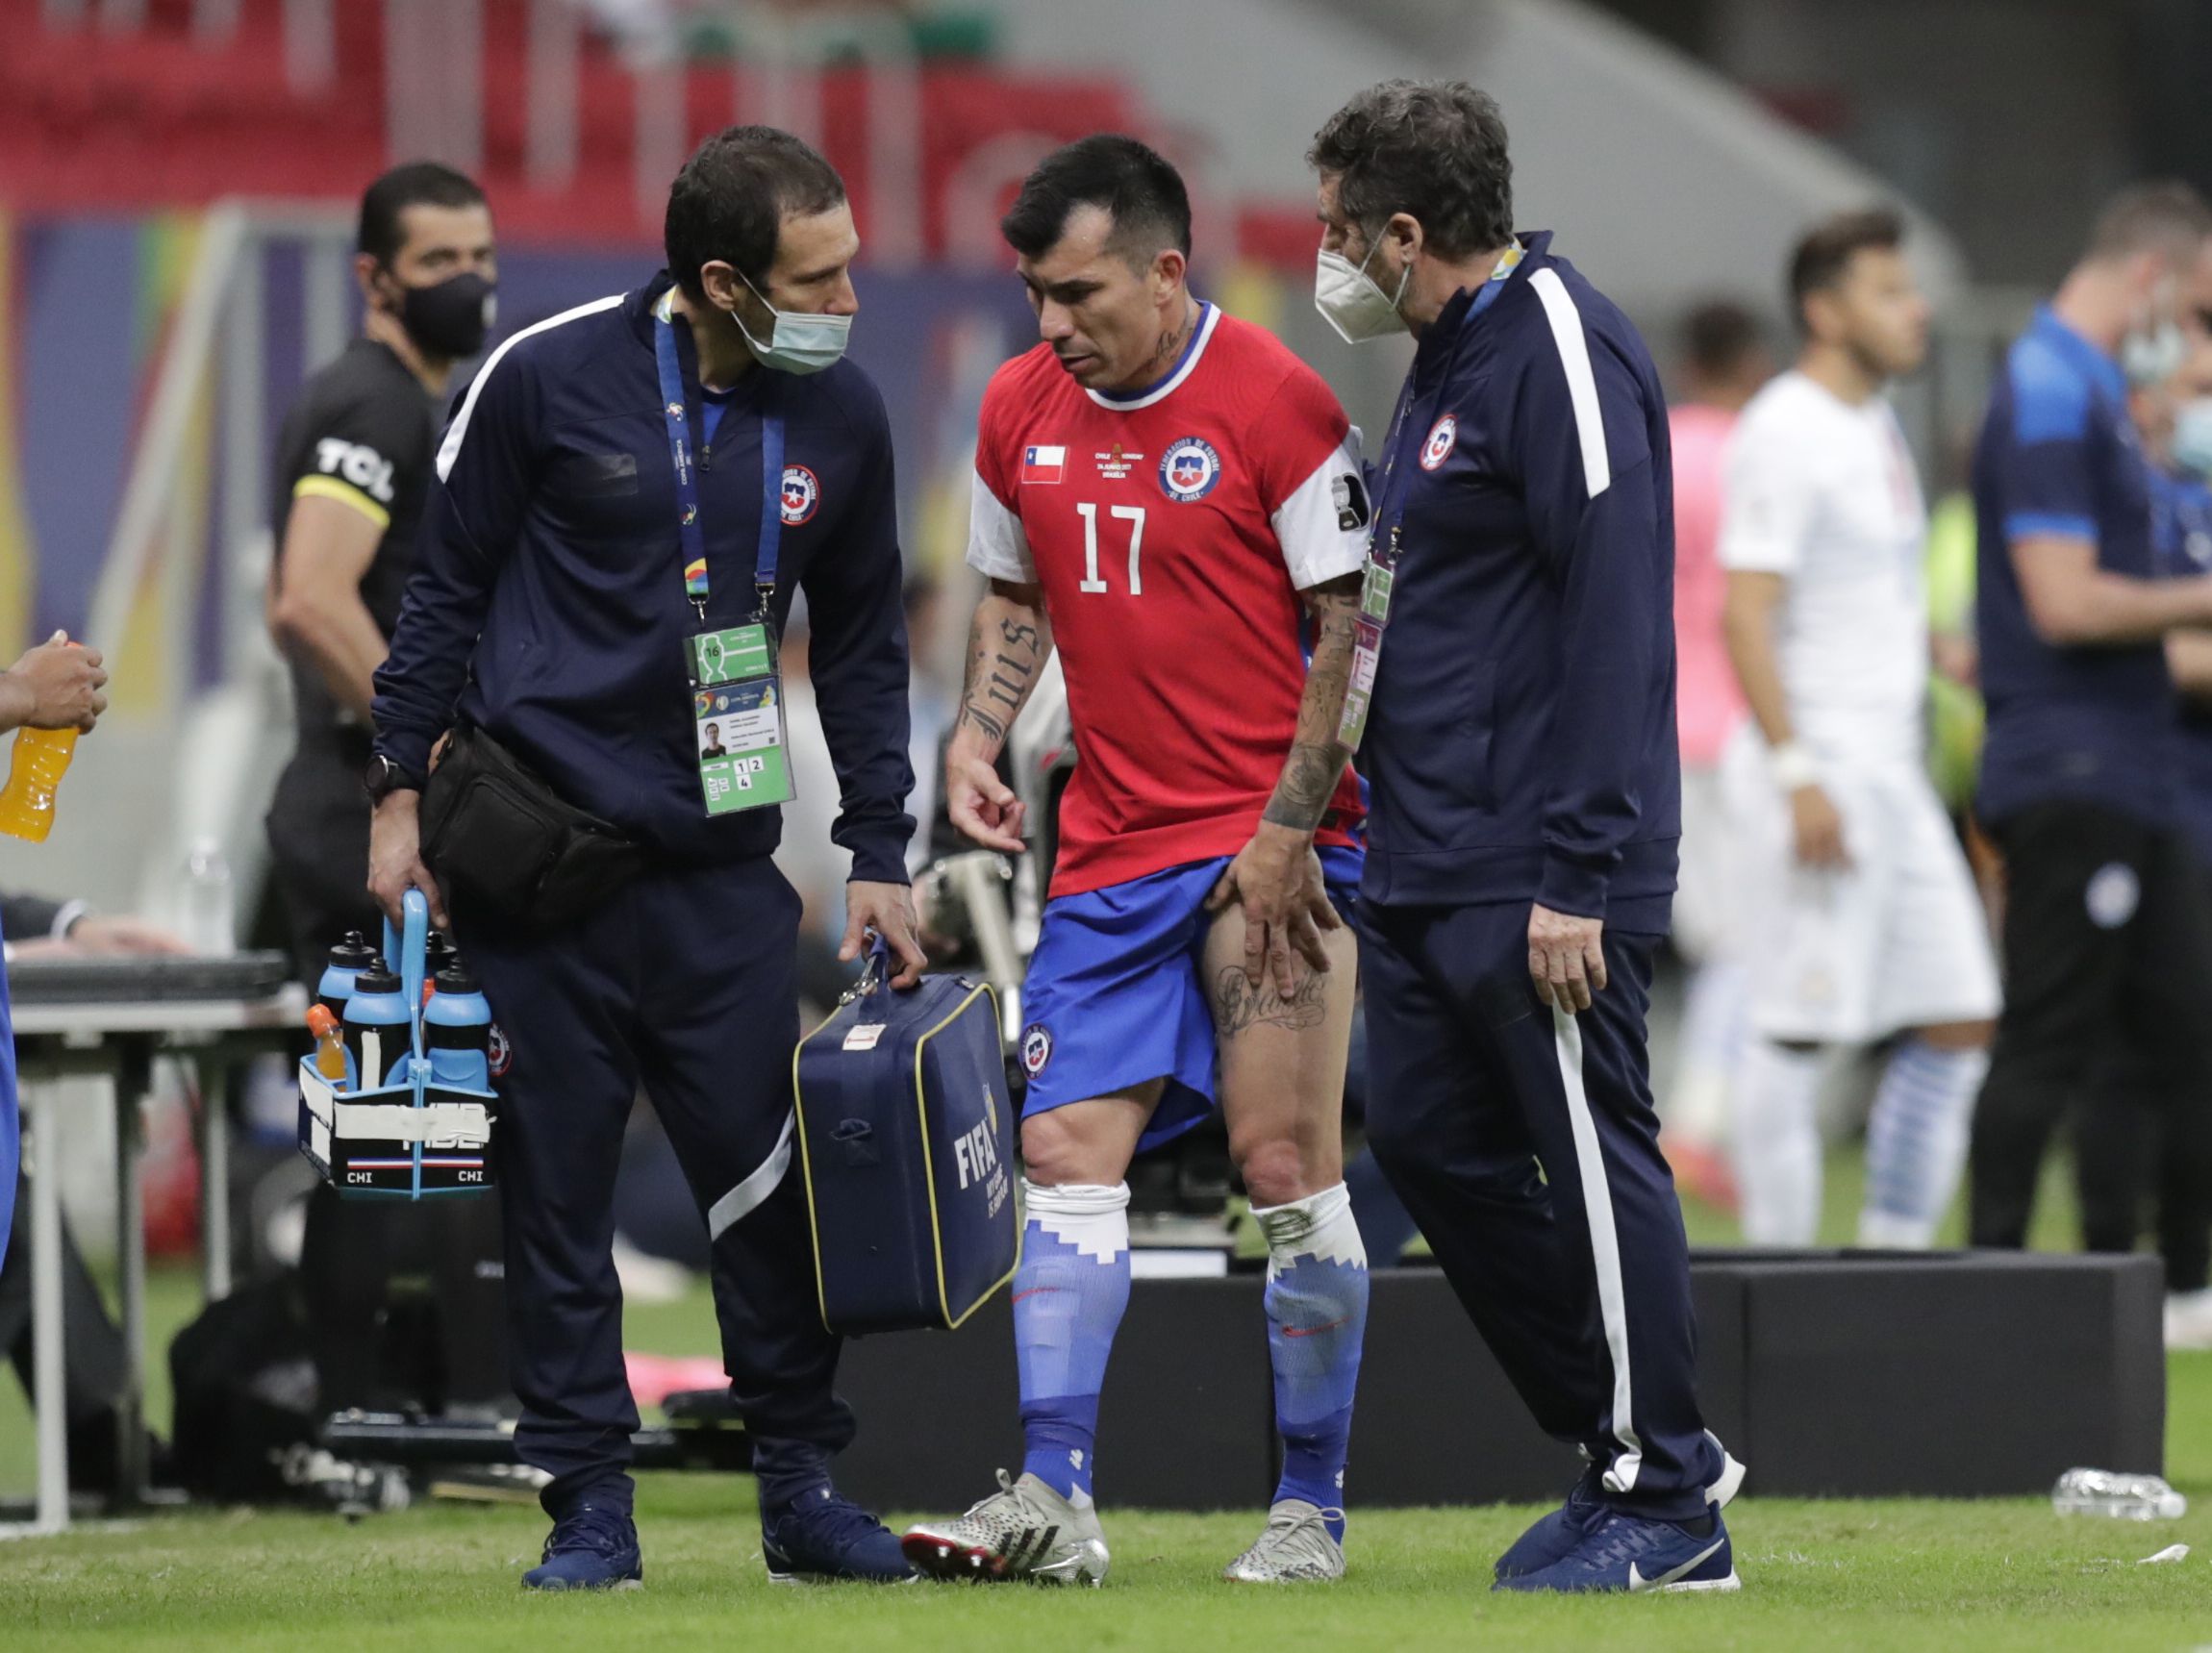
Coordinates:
<point>56,686</point>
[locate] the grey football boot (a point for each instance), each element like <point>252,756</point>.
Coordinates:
<point>1026,1530</point>
<point>1297,1546</point>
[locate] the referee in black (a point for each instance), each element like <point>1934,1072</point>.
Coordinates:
<point>626,494</point>
<point>352,470</point>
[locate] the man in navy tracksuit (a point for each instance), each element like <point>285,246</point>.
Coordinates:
<point>610,520</point>
<point>1515,706</point>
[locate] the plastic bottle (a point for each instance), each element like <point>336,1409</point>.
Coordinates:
<point>379,1027</point>
<point>2123,1497</point>
<point>347,959</point>
<point>438,952</point>
<point>457,1032</point>
<point>330,1058</point>
<point>211,923</point>
<point>35,772</point>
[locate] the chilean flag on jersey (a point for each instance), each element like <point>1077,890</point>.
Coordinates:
<point>1043,465</point>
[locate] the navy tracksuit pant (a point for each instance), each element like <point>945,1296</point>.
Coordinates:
<point>1524,1143</point>
<point>685,982</point>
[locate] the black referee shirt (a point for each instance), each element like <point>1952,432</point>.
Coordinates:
<point>361,432</point>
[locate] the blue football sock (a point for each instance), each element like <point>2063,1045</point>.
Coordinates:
<point>1316,1303</point>
<point>1069,1295</point>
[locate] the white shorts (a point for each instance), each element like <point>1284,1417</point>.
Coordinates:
<point>1704,928</point>
<point>1846,955</point>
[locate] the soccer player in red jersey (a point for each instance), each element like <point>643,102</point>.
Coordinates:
<point>1173,501</point>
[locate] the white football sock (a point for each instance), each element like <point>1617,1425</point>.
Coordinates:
<point>1777,1142</point>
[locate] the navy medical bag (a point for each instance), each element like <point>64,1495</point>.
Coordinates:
<point>906,1147</point>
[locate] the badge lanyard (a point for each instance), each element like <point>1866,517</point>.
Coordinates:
<point>1385,547</point>
<point>737,703</point>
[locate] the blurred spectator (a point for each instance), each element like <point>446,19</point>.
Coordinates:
<point>1866,917</point>
<point>36,928</point>
<point>1726,361</point>
<point>2131,1125</point>
<point>2108,927</point>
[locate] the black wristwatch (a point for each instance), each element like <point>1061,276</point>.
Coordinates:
<point>384,777</point>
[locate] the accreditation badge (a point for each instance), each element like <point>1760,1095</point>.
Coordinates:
<point>738,719</point>
<point>1367,649</point>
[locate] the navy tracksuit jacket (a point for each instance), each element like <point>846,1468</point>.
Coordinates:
<point>548,607</point>
<point>1521,750</point>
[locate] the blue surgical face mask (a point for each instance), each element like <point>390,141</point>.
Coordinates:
<point>798,343</point>
<point>2193,438</point>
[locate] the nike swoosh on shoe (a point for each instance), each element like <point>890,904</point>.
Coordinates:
<point>1637,1581</point>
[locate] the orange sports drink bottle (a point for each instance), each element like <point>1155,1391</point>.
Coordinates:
<point>35,772</point>
<point>329,1051</point>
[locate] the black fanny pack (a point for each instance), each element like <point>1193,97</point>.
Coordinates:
<point>498,835</point>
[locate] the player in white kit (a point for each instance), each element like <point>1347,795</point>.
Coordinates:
<point>1861,918</point>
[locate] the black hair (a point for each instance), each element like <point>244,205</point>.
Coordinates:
<point>1140,190</point>
<point>417,184</point>
<point>1433,149</point>
<point>1825,253</point>
<point>732,197</point>
<point>1720,337</point>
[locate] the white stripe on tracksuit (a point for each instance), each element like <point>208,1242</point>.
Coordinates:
<point>1605,1249</point>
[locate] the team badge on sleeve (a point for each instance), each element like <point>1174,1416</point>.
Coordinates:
<point>1441,436</point>
<point>1189,469</point>
<point>801,494</point>
<point>1036,1048</point>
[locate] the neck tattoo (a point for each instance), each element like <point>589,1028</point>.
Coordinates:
<point>1171,343</point>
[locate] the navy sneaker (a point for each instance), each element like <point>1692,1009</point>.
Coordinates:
<point>594,1547</point>
<point>1623,1552</point>
<point>820,1536</point>
<point>1554,1535</point>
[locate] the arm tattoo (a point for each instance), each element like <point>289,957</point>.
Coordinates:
<point>1316,759</point>
<point>1239,1004</point>
<point>1001,670</point>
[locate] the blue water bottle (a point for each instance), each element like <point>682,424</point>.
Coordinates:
<point>379,1026</point>
<point>457,1031</point>
<point>347,959</point>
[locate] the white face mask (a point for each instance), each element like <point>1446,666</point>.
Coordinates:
<point>2155,347</point>
<point>2153,354</point>
<point>1349,300</point>
<point>2192,437</point>
<point>797,342</point>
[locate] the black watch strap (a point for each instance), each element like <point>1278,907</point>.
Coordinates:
<point>384,777</point>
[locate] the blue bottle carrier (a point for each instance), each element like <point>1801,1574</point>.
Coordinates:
<point>406,1139</point>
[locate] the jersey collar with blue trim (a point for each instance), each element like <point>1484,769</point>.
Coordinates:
<point>1129,401</point>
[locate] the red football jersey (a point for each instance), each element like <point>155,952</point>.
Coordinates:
<point>1172,530</point>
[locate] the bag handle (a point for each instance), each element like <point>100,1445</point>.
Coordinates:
<point>874,970</point>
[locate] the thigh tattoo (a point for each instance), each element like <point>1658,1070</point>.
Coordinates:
<point>1239,1004</point>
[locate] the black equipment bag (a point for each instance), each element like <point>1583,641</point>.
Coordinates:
<point>497,833</point>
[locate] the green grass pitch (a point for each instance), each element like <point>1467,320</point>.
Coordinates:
<point>1957,1577</point>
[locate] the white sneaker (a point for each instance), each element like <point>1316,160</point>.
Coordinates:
<point>2189,1321</point>
<point>1297,1546</point>
<point>1025,1530</point>
<point>1722,1493</point>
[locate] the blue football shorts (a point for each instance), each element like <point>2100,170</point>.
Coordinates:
<point>1114,995</point>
